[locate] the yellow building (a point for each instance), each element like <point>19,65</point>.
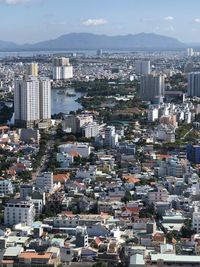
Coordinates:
<point>32,69</point>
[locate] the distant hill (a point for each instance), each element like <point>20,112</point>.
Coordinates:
<point>7,46</point>
<point>85,41</point>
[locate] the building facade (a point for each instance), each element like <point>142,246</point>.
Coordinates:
<point>90,130</point>
<point>152,88</point>
<point>26,190</point>
<point>62,69</point>
<point>159,194</point>
<point>64,159</point>
<point>196,221</point>
<point>44,181</point>
<point>83,149</point>
<point>17,211</point>
<point>45,100</point>
<point>32,101</point>
<point>74,123</point>
<point>143,67</point>
<point>111,138</point>
<point>26,102</point>
<point>6,187</point>
<point>32,69</point>
<point>193,153</point>
<point>194,84</point>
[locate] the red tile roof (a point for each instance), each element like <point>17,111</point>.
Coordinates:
<point>132,210</point>
<point>35,255</point>
<point>97,241</point>
<point>62,177</point>
<point>74,153</point>
<point>131,179</point>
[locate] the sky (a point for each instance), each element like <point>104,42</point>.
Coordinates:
<point>29,21</point>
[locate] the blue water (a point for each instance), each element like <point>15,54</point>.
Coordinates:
<point>37,53</point>
<point>64,103</point>
<point>67,52</point>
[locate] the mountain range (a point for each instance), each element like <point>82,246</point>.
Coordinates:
<point>89,41</point>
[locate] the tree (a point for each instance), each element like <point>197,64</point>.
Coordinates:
<point>172,235</point>
<point>69,138</point>
<point>25,176</point>
<point>147,212</point>
<point>127,197</point>
<point>92,158</point>
<point>186,230</point>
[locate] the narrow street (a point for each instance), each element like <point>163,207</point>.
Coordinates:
<point>45,158</point>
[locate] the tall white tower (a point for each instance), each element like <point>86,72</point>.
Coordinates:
<point>26,102</point>
<point>62,69</point>
<point>190,52</point>
<point>32,69</point>
<point>32,101</point>
<point>45,99</point>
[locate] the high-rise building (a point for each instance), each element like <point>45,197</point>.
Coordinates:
<point>45,100</point>
<point>60,61</point>
<point>32,101</point>
<point>143,67</point>
<point>26,102</point>
<point>32,69</point>
<point>99,52</point>
<point>190,52</point>
<point>194,84</point>
<point>62,69</point>
<point>152,88</point>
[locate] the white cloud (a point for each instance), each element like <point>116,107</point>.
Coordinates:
<point>197,20</point>
<point>168,18</point>
<point>94,22</point>
<point>17,2</point>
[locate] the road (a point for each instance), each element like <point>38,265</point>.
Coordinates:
<point>44,159</point>
<point>182,138</point>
